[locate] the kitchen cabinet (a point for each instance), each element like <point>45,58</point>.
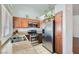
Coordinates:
<point>76,45</point>
<point>16,22</point>
<point>24,23</point>
<point>39,37</point>
<point>58,32</point>
<point>19,22</point>
<point>36,23</point>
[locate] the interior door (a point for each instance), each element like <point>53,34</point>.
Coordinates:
<point>58,32</point>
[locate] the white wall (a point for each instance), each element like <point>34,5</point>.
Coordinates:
<point>0,27</point>
<point>3,10</point>
<point>76,20</point>
<point>39,30</point>
<point>0,21</point>
<point>67,27</point>
<point>76,25</point>
<point>33,10</point>
<point>7,47</point>
<point>24,12</point>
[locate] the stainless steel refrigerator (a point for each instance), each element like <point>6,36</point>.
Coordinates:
<point>48,39</point>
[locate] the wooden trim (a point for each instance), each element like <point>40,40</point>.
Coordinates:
<point>58,32</point>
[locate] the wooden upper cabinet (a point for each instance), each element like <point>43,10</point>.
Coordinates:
<point>16,22</point>
<point>36,22</point>
<point>39,22</point>
<point>29,20</point>
<point>24,22</point>
<point>20,22</point>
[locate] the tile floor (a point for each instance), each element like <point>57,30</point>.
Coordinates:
<point>25,47</point>
<point>41,50</point>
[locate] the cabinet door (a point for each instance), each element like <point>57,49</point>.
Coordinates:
<point>39,23</point>
<point>76,45</point>
<point>16,22</point>
<point>58,32</point>
<point>20,22</point>
<point>24,23</point>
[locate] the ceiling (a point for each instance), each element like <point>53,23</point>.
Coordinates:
<point>32,10</point>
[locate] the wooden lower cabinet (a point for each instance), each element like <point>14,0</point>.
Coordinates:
<point>76,45</point>
<point>39,38</point>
